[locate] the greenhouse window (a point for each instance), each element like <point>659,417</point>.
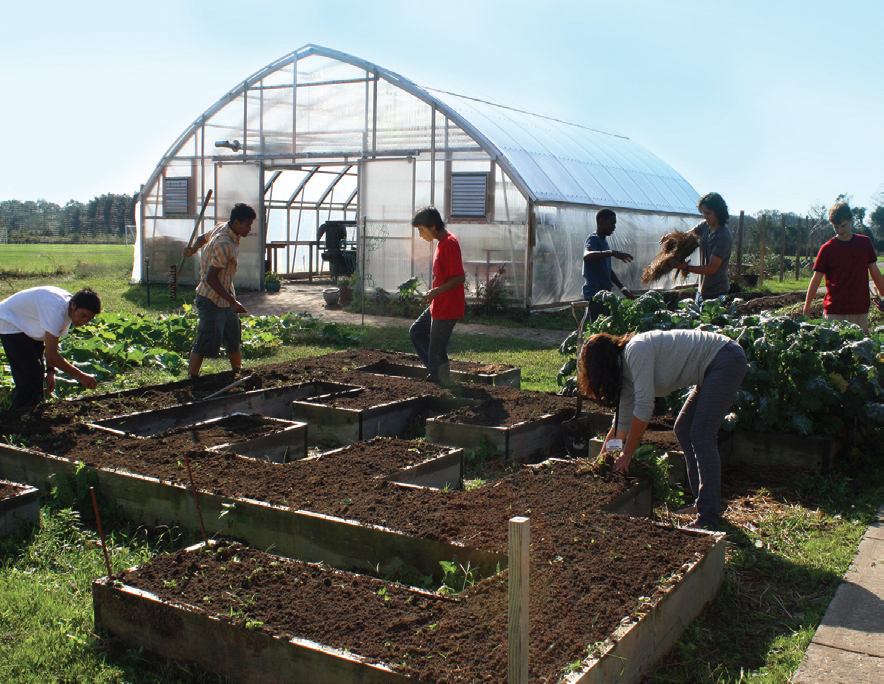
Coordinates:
<point>176,196</point>
<point>469,195</point>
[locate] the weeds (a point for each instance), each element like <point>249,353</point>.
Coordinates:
<point>456,577</point>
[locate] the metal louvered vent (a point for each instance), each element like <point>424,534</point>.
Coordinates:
<point>175,196</point>
<point>469,192</point>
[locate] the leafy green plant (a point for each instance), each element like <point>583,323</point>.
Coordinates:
<point>456,577</point>
<point>803,378</point>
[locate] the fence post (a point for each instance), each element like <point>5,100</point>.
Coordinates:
<point>519,544</point>
<point>782,247</point>
<point>798,237</point>
<point>761,254</point>
<point>740,246</point>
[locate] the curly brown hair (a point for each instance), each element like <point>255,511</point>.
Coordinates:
<point>599,368</point>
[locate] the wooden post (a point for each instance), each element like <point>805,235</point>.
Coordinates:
<point>783,248</point>
<point>740,246</point>
<point>520,541</point>
<point>798,237</point>
<point>761,254</point>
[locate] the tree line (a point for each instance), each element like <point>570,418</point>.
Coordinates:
<point>805,234</point>
<point>104,219</point>
<point>101,220</point>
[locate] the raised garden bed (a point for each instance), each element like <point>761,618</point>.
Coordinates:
<point>346,509</point>
<point>330,424</point>
<point>251,616</point>
<point>272,403</point>
<point>19,507</point>
<point>487,375</point>
<point>772,449</point>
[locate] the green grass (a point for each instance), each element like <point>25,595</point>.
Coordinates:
<point>781,573</point>
<point>42,259</point>
<point>46,621</point>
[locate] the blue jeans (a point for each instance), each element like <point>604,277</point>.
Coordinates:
<point>430,338</point>
<point>696,429</point>
<point>25,357</point>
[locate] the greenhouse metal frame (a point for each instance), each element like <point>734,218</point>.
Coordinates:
<point>320,135</point>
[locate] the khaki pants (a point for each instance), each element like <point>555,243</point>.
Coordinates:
<point>862,320</point>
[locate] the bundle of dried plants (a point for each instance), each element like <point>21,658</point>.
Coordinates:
<point>677,246</point>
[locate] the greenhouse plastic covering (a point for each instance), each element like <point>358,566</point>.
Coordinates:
<point>321,135</point>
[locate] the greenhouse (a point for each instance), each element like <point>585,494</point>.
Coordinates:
<point>326,145</point>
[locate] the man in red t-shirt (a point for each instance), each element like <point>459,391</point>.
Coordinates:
<point>432,330</point>
<point>846,260</point>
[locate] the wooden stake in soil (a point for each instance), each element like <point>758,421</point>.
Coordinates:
<point>100,531</point>
<point>199,511</point>
<point>520,541</point>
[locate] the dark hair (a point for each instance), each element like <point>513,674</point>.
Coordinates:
<point>599,368</point>
<point>839,213</point>
<point>87,299</point>
<point>716,203</point>
<point>604,215</point>
<point>428,217</point>
<point>242,212</point>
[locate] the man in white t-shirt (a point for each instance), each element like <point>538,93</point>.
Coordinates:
<point>31,323</point>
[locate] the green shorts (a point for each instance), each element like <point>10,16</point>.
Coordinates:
<point>217,324</point>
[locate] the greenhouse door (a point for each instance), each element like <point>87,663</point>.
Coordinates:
<point>386,200</point>
<point>234,183</point>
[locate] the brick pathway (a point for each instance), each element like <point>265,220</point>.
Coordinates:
<point>296,297</point>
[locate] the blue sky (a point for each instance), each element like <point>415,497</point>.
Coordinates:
<point>776,104</point>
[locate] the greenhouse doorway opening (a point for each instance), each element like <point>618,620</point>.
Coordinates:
<point>310,210</point>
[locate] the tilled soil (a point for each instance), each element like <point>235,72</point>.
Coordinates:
<point>589,569</point>
<point>757,304</point>
<point>579,594</point>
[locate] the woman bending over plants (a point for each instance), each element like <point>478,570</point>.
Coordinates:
<point>628,371</point>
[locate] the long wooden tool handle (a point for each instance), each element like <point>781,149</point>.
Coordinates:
<point>229,387</point>
<point>199,220</point>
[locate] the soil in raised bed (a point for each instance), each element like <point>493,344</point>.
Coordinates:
<point>350,483</point>
<point>337,367</point>
<point>575,600</point>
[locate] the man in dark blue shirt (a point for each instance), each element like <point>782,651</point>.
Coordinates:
<point>598,274</point>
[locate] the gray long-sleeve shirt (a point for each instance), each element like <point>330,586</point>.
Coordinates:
<point>658,362</point>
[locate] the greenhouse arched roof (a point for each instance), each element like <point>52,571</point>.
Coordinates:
<point>550,160</point>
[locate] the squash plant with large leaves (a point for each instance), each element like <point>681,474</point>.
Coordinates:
<point>113,343</point>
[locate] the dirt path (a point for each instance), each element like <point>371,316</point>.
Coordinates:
<point>295,297</point>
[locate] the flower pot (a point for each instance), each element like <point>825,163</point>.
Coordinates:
<point>346,295</point>
<point>272,285</point>
<point>331,295</point>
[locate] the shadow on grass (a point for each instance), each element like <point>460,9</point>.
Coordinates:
<point>764,602</point>
<point>160,299</point>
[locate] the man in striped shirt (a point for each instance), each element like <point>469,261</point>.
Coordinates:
<point>215,299</point>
